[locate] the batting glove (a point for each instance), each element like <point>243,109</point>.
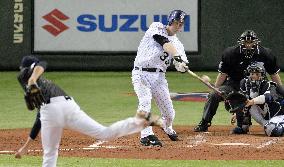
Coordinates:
<point>180,65</point>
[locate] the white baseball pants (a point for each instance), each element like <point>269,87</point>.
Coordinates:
<point>61,113</point>
<point>148,85</point>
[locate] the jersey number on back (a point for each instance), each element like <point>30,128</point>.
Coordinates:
<point>164,57</point>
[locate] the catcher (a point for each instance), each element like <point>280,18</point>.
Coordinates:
<point>265,101</point>
<point>59,111</point>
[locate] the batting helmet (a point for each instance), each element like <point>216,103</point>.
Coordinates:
<point>245,41</point>
<point>177,15</point>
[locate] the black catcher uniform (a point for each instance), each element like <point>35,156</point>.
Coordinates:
<point>234,62</point>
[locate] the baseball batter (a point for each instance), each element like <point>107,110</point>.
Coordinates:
<point>155,53</point>
<point>58,110</point>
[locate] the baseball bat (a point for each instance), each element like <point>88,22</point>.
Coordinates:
<point>208,84</point>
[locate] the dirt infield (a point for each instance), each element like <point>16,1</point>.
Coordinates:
<point>218,144</point>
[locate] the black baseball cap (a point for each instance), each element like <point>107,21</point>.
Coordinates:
<point>27,61</point>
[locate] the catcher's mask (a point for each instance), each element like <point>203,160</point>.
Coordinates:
<point>248,42</point>
<point>176,15</point>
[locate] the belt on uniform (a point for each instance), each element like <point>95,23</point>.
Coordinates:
<point>148,69</point>
<point>58,98</point>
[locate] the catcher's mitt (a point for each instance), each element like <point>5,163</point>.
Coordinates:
<point>34,97</point>
<point>235,101</point>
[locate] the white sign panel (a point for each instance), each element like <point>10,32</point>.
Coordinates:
<point>106,26</point>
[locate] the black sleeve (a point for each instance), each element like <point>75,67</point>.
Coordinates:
<point>271,65</point>
<point>280,90</point>
<point>224,66</point>
<point>243,87</point>
<point>160,39</point>
<point>36,128</point>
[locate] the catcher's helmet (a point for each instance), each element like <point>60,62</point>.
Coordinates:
<point>176,15</point>
<point>248,42</point>
<point>256,67</point>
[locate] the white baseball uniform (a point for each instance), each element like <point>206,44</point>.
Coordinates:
<point>65,113</point>
<point>148,85</point>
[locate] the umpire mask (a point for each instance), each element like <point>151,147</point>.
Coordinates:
<point>248,42</point>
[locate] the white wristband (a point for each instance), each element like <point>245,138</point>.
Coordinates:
<point>259,99</point>
<point>175,55</point>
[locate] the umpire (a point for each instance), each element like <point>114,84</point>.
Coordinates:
<point>232,66</point>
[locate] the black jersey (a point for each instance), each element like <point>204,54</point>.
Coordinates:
<point>36,127</point>
<point>234,63</point>
<point>48,88</point>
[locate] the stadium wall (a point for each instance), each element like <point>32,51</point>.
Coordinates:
<point>220,23</point>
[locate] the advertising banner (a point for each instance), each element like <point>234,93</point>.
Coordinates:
<point>106,26</point>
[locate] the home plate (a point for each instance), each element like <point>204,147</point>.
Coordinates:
<point>232,144</point>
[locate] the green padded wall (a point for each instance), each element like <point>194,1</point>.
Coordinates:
<point>221,23</point>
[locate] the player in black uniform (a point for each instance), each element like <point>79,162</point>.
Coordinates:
<point>266,98</point>
<point>58,111</point>
<point>231,69</point>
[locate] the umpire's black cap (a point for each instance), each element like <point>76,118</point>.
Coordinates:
<point>27,61</point>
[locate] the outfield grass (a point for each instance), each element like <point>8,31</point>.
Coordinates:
<point>29,161</point>
<point>104,96</point>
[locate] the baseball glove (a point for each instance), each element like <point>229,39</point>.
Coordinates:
<point>34,97</point>
<point>235,101</point>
